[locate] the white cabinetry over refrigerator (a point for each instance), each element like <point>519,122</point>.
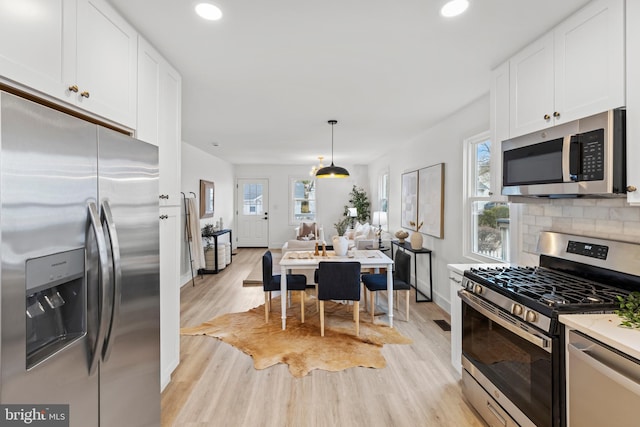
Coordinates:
<point>574,71</point>
<point>79,51</point>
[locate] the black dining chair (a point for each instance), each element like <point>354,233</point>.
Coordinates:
<point>401,281</point>
<point>271,282</point>
<point>339,281</point>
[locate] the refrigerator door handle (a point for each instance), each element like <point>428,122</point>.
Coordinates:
<point>102,284</point>
<point>107,219</point>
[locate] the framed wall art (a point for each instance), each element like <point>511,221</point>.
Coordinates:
<point>409,200</point>
<point>431,200</point>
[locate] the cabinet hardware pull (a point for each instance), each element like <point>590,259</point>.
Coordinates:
<point>164,216</point>
<point>631,188</point>
<point>556,114</point>
<point>73,88</point>
<point>491,193</point>
<point>84,94</point>
<point>547,117</point>
<point>164,196</point>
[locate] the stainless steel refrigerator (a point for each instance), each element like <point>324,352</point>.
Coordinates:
<point>79,238</point>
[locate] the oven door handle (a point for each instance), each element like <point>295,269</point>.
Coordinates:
<point>542,342</point>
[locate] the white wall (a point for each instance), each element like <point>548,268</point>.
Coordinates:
<point>197,165</point>
<point>440,144</point>
<point>331,196</point>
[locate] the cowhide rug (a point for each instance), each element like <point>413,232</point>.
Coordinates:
<point>300,345</point>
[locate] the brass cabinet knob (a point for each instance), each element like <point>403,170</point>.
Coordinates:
<point>556,114</point>
<point>547,117</point>
<point>73,88</point>
<point>84,94</point>
<point>631,188</point>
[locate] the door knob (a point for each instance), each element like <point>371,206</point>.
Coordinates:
<point>631,188</point>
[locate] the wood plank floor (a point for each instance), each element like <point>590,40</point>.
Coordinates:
<point>216,385</point>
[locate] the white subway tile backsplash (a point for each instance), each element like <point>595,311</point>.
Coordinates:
<point>625,214</point>
<point>606,226</point>
<point>604,218</point>
<point>597,212</point>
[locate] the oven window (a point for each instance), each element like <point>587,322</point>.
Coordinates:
<point>518,368</point>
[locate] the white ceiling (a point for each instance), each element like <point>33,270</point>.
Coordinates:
<point>263,81</point>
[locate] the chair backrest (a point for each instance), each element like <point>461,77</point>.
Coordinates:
<point>339,280</point>
<point>402,262</point>
<point>267,269</point>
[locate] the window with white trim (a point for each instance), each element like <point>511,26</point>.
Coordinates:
<point>486,221</point>
<point>303,200</point>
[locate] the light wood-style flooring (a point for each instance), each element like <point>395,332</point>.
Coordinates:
<point>217,385</point>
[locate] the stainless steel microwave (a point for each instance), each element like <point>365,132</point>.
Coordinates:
<point>584,157</point>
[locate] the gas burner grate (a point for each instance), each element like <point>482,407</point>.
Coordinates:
<point>549,287</point>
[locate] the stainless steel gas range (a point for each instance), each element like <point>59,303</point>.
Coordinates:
<point>512,343</point>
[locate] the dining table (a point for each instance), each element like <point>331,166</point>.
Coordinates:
<point>374,259</point>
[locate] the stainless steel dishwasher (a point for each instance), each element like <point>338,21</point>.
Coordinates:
<point>603,384</point>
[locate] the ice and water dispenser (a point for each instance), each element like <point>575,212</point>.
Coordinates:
<point>55,303</point>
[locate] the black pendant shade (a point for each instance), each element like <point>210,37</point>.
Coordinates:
<point>332,171</point>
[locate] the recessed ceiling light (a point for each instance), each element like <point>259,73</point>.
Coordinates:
<point>454,8</point>
<point>208,11</point>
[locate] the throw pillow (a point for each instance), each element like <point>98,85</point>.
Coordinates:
<point>307,231</point>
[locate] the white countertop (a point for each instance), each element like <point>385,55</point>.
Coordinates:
<point>605,328</point>
<point>460,268</point>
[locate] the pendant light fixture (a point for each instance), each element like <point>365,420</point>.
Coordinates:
<point>332,171</point>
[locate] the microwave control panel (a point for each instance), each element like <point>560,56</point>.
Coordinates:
<point>591,155</point>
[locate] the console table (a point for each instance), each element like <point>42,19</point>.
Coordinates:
<point>406,246</point>
<point>215,245</point>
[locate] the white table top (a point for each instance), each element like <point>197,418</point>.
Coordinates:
<point>605,328</point>
<point>294,259</point>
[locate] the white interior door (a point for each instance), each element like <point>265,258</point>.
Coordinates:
<point>252,212</point>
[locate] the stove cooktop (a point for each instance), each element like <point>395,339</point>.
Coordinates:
<point>542,286</point>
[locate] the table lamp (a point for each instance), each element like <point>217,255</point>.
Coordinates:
<point>379,219</point>
<point>353,212</point>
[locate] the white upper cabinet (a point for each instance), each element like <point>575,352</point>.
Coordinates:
<point>574,71</point>
<point>159,117</point>
<point>78,51</point>
<point>36,50</point>
<point>633,102</point>
<point>106,63</point>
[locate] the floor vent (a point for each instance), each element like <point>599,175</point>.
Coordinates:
<point>444,325</point>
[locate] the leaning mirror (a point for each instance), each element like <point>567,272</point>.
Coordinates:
<point>206,199</point>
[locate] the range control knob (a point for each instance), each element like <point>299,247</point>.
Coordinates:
<point>531,316</point>
<point>477,289</point>
<point>516,309</point>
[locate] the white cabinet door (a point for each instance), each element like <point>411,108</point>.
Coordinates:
<point>589,61</point>
<point>159,117</point>
<point>455,284</point>
<point>633,102</point>
<point>169,292</point>
<point>149,65</point>
<point>499,104</point>
<point>531,87</point>
<point>37,46</point>
<point>106,62</point>
<point>170,135</point>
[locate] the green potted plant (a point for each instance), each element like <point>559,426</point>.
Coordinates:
<point>342,225</point>
<point>630,310</point>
